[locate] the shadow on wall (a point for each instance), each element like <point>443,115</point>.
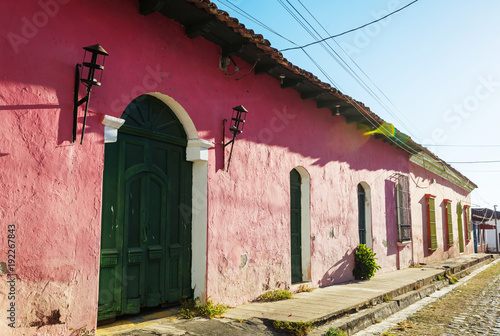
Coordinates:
<point>343,270</point>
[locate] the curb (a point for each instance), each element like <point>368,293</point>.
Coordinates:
<point>355,319</point>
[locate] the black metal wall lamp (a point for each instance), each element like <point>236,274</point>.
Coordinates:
<point>86,74</point>
<point>236,127</point>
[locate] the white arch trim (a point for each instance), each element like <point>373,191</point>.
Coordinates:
<point>305,222</point>
<point>368,214</point>
<point>196,152</point>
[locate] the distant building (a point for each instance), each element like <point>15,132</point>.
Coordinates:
<point>484,225</point>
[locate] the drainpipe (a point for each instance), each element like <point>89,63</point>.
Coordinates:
<point>496,227</point>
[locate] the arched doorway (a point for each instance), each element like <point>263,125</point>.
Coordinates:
<point>146,214</point>
<point>364,215</point>
<point>295,226</point>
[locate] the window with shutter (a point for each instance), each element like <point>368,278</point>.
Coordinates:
<point>460,228</point>
<point>467,223</point>
<point>403,209</point>
<point>448,222</point>
<point>431,222</point>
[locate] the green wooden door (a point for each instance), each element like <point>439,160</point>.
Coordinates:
<point>295,226</point>
<point>146,217</point>
<point>361,214</point>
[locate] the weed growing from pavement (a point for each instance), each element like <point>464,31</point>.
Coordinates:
<point>304,288</point>
<point>387,298</point>
<point>452,279</point>
<point>335,332</point>
<point>190,309</point>
<point>82,332</point>
<point>293,328</point>
<point>276,295</point>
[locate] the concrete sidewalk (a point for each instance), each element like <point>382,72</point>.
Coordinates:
<point>350,306</point>
<point>391,291</point>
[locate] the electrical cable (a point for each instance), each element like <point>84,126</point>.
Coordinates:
<point>473,162</point>
<point>375,124</point>
<point>364,73</point>
<point>338,58</point>
<point>351,30</point>
<point>430,145</point>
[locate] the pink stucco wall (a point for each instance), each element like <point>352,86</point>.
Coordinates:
<point>421,183</point>
<point>51,189</point>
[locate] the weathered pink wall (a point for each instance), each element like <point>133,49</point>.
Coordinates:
<point>51,189</point>
<point>421,184</point>
<point>253,217</point>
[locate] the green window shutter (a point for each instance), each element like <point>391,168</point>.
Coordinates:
<point>450,224</point>
<point>403,209</point>
<point>460,228</point>
<point>432,224</point>
<point>468,225</point>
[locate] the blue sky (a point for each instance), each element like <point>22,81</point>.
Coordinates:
<point>437,62</point>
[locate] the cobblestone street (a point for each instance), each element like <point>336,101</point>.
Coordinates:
<point>481,316</point>
<point>471,309</point>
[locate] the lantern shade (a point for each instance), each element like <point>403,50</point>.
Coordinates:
<point>96,48</point>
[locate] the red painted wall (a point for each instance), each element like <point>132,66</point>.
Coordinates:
<point>51,189</point>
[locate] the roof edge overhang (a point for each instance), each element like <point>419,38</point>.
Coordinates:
<point>432,163</point>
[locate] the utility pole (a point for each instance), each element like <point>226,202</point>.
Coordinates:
<point>496,227</point>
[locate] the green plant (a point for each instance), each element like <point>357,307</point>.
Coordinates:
<point>293,328</point>
<point>211,310</point>
<point>82,332</point>
<point>440,277</point>
<point>304,288</point>
<point>276,295</point>
<point>452,279</point>
<point>190,309</point>
<point>364,263</point>
<point>386,298</point>
<point>335,332</point>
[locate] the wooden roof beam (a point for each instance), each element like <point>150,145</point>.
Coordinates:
<point>291,82</point>
<point>200,29</point>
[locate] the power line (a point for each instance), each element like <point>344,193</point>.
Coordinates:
<point>346,67</point>
<point>351,30</point>
<point>362,84</point>
<point>371,120</point>
<point>253,19</point>
<point>468,162</point>
<point>429,145</point>
<point>481,171</point>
